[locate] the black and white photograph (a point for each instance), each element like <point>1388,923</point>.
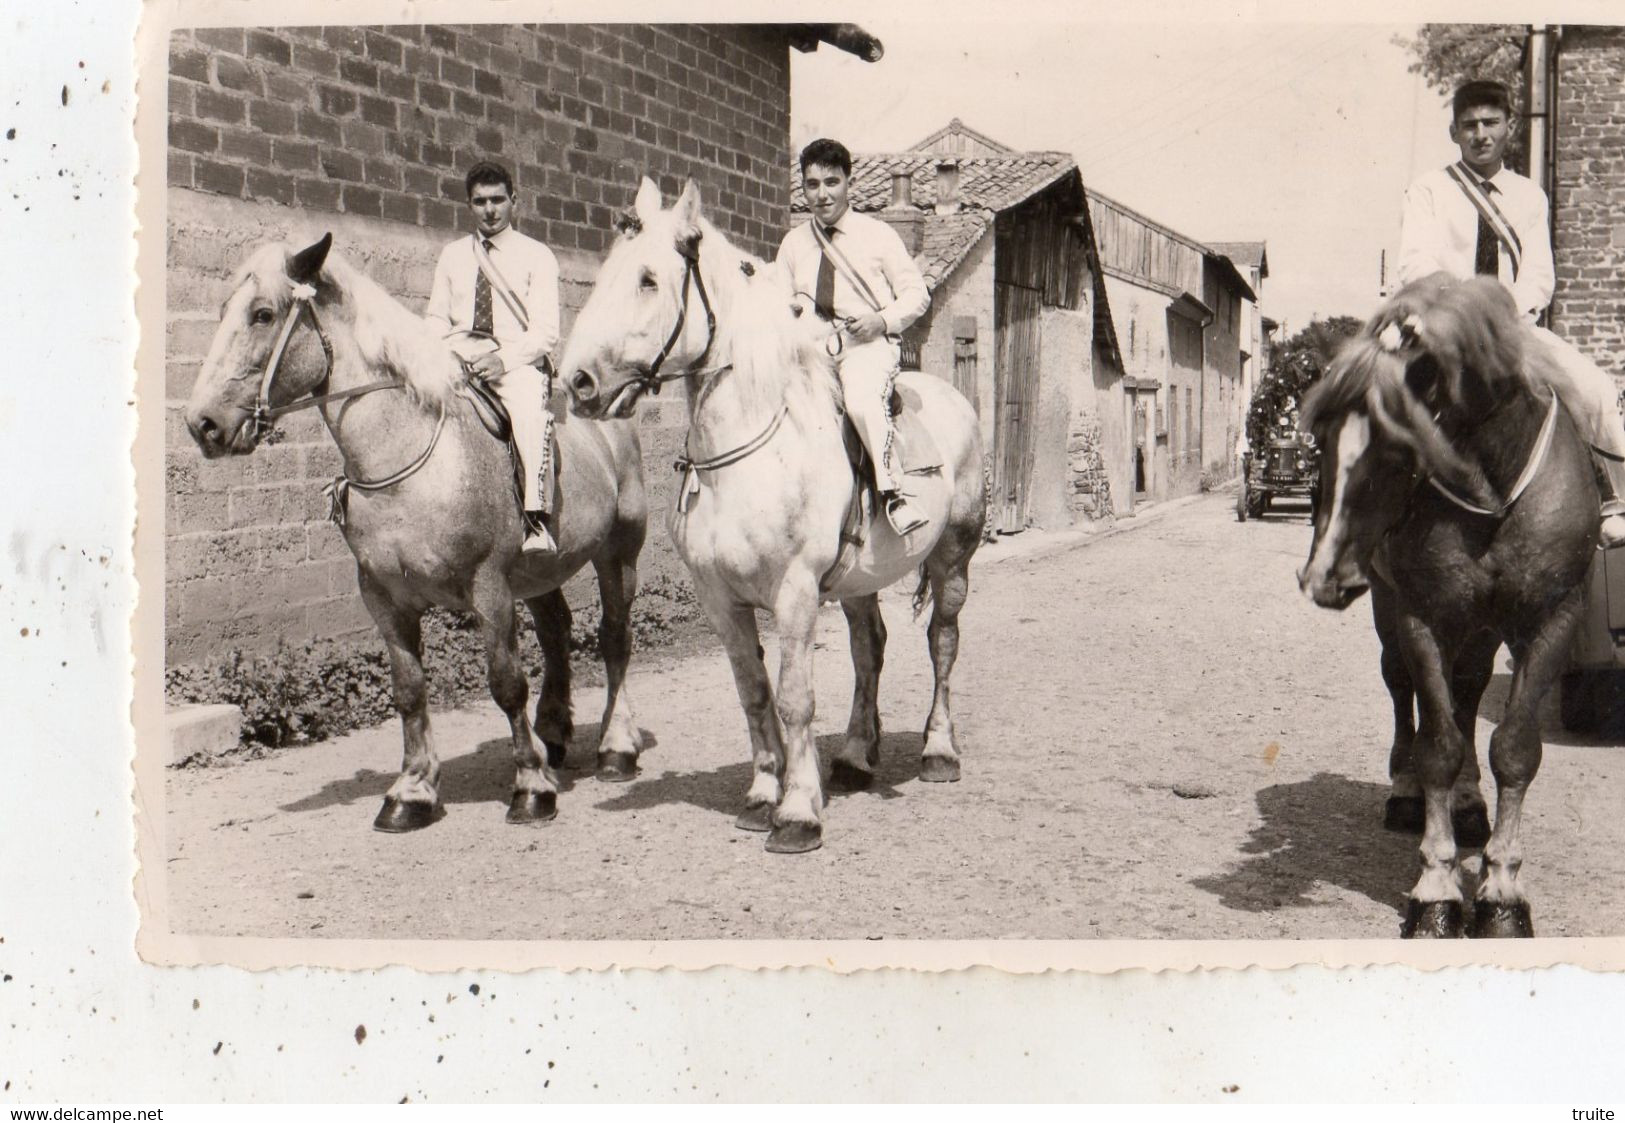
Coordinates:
<point>723,552</point>
<point>1202,483</point>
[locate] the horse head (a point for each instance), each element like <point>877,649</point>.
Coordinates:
<point>1376,418</point>
<point>268,349</point>
<point>649,318</point>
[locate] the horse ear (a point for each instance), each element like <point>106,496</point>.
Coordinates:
<point>647,204</point>
<point>687,210</point>
<point>306,265</point>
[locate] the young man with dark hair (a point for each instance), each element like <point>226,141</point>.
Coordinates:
<point>860,276</point>
<point>496,298</point>
<point>1480,217</point>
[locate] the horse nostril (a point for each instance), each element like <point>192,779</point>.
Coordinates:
<point>583,385</point>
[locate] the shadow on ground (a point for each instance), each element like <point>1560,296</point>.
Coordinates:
<point>722,790</point>
<point>482,776</point>
<point>1326,830</point>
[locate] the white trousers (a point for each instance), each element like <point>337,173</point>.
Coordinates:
<point>1589,394</point>
<point>525,391</point>
<point>867,370</point>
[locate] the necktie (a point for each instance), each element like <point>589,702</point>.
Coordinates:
<point>482,296</point>
<point>824,290</point>
<point>1487,255</point>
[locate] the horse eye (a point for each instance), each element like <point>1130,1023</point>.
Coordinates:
<point>262,316</point>
<point>647,281</point>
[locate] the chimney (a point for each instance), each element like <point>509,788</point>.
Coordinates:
<point>948,186</point>
<point>902,190</point>
<point>902,215</point>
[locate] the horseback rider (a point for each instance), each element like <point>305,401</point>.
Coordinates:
<point>496,295</point>
<point>1480,217</point>
<point>862,279</point>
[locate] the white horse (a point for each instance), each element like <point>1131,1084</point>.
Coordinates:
<point>768,487</point>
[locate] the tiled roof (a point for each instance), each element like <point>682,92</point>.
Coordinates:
<point>987,185</point>
<point>1249,254</point>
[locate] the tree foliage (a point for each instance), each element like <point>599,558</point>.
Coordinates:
<point>1448,54</point>
<point>1294,366</point>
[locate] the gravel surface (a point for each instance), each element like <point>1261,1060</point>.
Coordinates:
<point>1161,738</point>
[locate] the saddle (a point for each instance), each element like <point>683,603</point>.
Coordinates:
<point>914,453</point>
<point>493,414</point>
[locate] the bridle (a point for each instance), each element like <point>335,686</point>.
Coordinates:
<point>337,492</point>
<point>650,379</point>
<point>302,304</point>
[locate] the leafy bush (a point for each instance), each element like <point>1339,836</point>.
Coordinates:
<point>299,693</point>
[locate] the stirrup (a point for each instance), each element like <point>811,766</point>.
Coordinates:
<point>538,540</point>
<point>902,515</point>
<point>1608,539</point>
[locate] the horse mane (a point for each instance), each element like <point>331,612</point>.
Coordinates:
<point>385,336</point>
<point>1440,332</point>
<point>775,354</point>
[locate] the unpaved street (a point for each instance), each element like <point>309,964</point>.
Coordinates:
<point>1161,738</point>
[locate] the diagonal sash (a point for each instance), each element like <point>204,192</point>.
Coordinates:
<point>1485,205</point>
<point>839,259</point>
<point>500,285</point>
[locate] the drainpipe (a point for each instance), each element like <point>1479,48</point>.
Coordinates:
<point>1542,138</point>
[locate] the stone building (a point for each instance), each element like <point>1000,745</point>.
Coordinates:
<point>366,131</point>
<point>1177,308</point>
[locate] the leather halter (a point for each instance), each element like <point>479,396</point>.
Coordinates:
<point>264,413</point>
<point>650,379</point>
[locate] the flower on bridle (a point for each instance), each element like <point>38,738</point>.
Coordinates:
<point>304,292</point>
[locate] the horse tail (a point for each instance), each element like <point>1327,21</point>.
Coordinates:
<point>922,593</point>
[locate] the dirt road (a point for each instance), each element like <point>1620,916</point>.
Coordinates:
<point>1161,738</point>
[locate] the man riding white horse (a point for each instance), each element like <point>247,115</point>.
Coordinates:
<point>861,278</point>
<point>1480,217</point>
<point>496,298</point>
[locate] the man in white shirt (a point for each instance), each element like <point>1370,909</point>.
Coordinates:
<point>858,274</point>
<point>1480,217</point>
<point>496,299</point>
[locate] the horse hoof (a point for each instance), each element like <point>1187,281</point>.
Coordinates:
<point>756,817</point>
<point>398,816</point>
<point>939,769</point>
<point>795,838</point>
<point>1432,920</point>
<point>1471,825</point>
<point>1403,813</point>
<point>847,777</point>
<point>532,807</point>
<point>1500,920</point>
<point>556,753</point>
<point>617,767</point>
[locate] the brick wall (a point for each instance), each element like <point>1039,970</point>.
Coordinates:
<point>281,135</point>
<point>1589,200</point>
<point>382,122</point>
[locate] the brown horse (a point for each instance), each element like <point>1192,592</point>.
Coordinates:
<point>1446,462</point>
<point>760,521</point>
<point>428,507</point>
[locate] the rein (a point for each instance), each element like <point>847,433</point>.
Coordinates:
<point>1537,456</point>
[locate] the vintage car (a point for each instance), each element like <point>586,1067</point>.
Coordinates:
<point>1284,467</point>
<point>1592,690</point>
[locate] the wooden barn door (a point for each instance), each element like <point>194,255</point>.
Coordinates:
<point>1015,318</point>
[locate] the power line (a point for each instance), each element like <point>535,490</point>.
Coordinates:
<point>1137,152</point>
<point>1169,103</point>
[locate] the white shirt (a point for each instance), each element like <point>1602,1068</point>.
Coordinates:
<point>531,271</point>
<point>1439,230</point>
<point>875,253</point>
